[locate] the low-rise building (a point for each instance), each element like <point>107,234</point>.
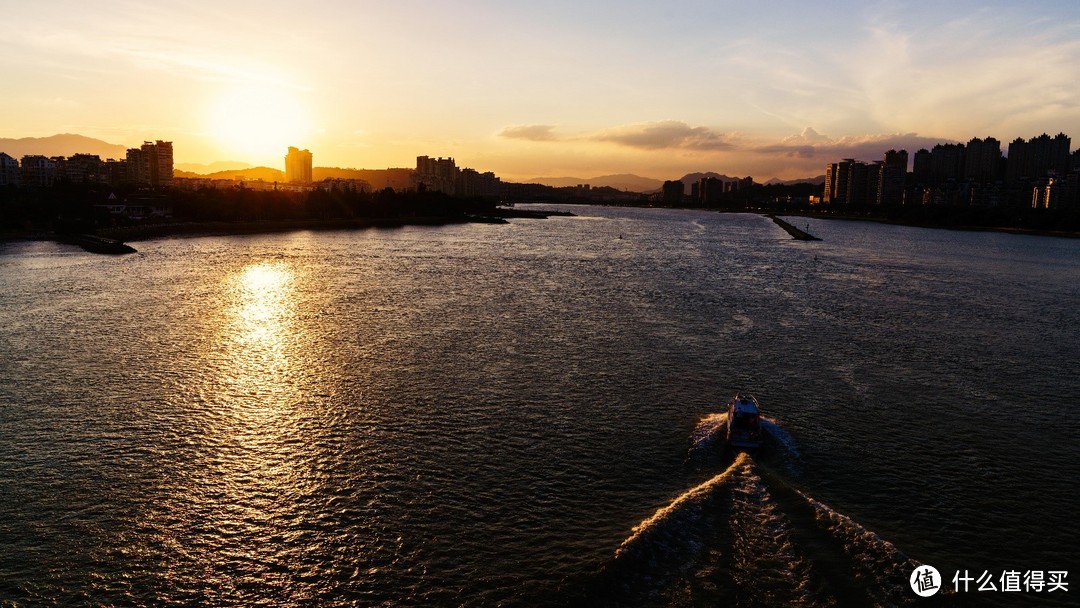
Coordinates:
<point>9,171</point>
<point>37,171</point>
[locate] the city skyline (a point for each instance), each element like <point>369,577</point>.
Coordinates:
<point>563,90</point>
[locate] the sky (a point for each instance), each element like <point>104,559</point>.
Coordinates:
<point>553,88</point>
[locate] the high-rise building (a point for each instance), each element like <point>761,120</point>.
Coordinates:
<point>1037,157</point>
<point>151,164</point>
<point>892,178</point>
<point>298,166</point>
<point>858,177</point>
<point>710,189</point>
<point>673,192</point>
<point>921,167</point>
<point>947,163</point>
<point>831,171</point>
<point>981,160</point>
<point>160,155</point>
<point>436,175</point>
<point>471,182</point>
<point>843,180</point>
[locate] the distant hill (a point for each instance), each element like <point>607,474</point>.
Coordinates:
<point>249,174</point>
<point>817,181</point>
<point>398,179</point>
<point>201,169</point>
<point>693,178</point>
<point>65,144</point>
<point>624,181</point>
<point>636,183</point>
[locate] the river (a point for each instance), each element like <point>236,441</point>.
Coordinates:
<point>527,415</point>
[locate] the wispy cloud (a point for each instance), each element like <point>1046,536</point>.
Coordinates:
<point>665,134</point>
<point>988,70</point>
<point>530,132</point>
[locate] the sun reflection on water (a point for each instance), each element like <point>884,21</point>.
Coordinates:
<point>264,303</point>
<point>231,519</point>
<point>259,375</point>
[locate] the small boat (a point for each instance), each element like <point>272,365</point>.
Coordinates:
<point>744,422</point>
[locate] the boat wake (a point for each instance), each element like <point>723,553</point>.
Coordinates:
<point>707,444</point>
<point>747,537</point>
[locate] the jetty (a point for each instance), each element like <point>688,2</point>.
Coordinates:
<point>798,235</point>
<point>96,244</point>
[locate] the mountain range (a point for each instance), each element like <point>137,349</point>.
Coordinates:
<point>636,183</point>
<point>623,181</point>
<point>64,144</point>
<point>817,181</point>
<point>206,169</point>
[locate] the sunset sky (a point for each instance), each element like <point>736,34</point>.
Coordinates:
<point>554,88</point>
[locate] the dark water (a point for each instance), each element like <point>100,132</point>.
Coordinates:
<point>525,415</point>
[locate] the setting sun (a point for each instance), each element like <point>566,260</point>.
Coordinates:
<point>256,121</point>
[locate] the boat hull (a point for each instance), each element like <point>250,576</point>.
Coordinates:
<point>743,423</point>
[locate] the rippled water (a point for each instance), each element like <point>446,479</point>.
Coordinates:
<point>526,414</point>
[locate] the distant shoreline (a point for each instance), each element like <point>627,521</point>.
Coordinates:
<point>221,228</point>
<point>148,232</point>
<point>1069,234</point>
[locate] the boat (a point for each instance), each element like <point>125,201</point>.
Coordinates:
<point>744,422</point>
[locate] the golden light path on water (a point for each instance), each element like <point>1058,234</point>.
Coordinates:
<point>258,377</point>
<point>258,475</point>
<point>263,303</point>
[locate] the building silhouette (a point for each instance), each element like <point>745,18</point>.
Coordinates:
<point>838,177</point>
<point>37,171</point>
<point>443,175</point>
<point>893,178</point>
<point>859,183</point>
<point>947,163</point>
<point>80,168</point>
<point>982,160</point>
<point>1036,158</point>
<point>1040,173</point>
<point>710,189</point>
<point>151,164</point>
<point>9,171</point>
<point>435,175</point>
<point>298,166</point>
<point>471,182</point>
<point>831,171</point>
<point>860,178</point>
<point>673,192</point>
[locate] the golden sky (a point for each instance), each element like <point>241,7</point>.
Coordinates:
<point>527,89</point>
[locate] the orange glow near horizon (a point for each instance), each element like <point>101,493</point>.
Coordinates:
<point>258,122</point>
<point>376,84</point>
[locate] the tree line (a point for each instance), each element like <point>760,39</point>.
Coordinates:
<point>69,206</point>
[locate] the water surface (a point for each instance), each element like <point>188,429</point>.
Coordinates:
<point>485,414</point>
